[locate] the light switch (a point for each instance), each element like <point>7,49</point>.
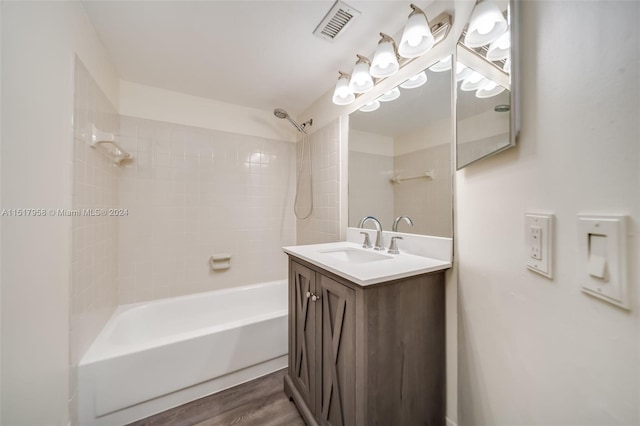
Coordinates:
<point>539,237</point>
<point>597,266</point>
<point>602,258</point>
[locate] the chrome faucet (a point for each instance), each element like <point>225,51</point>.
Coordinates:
<point>379,243</point>
<point>407,219</point>
<point>393,247</point>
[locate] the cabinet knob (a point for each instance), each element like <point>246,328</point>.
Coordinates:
<point>315,298</point>
<point>308,294</point>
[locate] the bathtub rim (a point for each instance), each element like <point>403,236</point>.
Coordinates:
<point>101,349</point>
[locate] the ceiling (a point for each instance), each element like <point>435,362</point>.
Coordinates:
<point>260,53</point>
<point>413,110</point>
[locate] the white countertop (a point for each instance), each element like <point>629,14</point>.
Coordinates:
<point>391,267</point>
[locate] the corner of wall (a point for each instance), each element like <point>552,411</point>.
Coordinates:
<point>153,103</point>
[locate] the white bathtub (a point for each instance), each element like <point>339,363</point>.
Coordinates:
<point>156,355</point>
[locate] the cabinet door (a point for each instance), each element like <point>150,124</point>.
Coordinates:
<point>302,367</point>
<point>335,313</point>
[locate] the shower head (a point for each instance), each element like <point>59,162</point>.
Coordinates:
<point>280,113</point>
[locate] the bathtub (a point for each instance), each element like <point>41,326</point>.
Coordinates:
<point>156,355</point>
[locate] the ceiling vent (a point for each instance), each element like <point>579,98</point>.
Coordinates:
<point>336,20</point>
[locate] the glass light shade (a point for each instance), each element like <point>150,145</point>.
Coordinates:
<point>415,81</point>
<point>474,81</point>
<point>391,95</point>
<point>499,49</point>
<point>490,88</point>
<point>342,95</point>
<point>486,24</point>
<point>462,71</point>
<point>416,38</point>
<point>442,65</point>
<point>507,65</point>
<point>385,62</point>
<point>371,106</point>
<point>361,80</point>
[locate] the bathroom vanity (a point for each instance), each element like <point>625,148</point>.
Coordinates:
<point>365,351</point>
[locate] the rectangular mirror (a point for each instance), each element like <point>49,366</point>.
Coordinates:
<point>400,156</point>
<point>486,109</point>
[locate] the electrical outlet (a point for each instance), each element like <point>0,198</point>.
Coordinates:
<point>539,238</point>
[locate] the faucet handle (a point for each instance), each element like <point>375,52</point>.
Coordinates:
<point>393,246</point>
<point>367,242</point>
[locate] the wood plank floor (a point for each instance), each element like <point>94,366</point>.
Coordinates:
<point>260,402</point>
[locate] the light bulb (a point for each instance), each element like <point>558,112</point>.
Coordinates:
<point>417,38</point>
<point>462,71</point>
<point>485,27</point>
<point>391,95</point>
<point>342,95</point>
<point>385,62</point>
<point>500,48</point>
<point>442,65</point>
<point>371,106</point>
<point>489,89</point>
<point>474,81</point>
<point>361,80</point>
<point>415,81</point>
<point>486,24</point>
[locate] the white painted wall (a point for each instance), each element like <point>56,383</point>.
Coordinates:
<point>534,351</point>
<point>431,135</point>
<point>38,44</point>
<point>153,103</point>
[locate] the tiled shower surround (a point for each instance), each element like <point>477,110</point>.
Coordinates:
<point>94,289</point>
<point>427,202</point>
<point>323,224</point>
<point>192,193</point>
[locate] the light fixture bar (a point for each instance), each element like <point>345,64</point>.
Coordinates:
<point>474,60</point>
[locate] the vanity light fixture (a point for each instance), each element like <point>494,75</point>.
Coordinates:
<point>391,95</point>
<point>486,24</point>
<point>417,38</point>
<point>441,65</point>
<point>385,60</point>
<point>343,95</point>
<point>500,48</point>
<point>371,106</point>
<point>415,81</point>
<point>361,81</point>
<point>489,89</point>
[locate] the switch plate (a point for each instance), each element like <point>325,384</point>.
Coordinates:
<point>539,239</point>
<point>602,258</point>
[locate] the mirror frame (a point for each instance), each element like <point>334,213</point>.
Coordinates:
<point>514,120</point>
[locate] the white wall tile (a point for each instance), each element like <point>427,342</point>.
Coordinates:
<point>197,193</point>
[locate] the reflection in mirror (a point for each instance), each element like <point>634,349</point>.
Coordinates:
<point>485,82</point>
<point>400,156</point>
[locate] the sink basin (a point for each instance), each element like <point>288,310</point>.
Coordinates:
<point>353,255</point>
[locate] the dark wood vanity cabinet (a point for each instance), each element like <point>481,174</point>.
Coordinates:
<point>371,355</point>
